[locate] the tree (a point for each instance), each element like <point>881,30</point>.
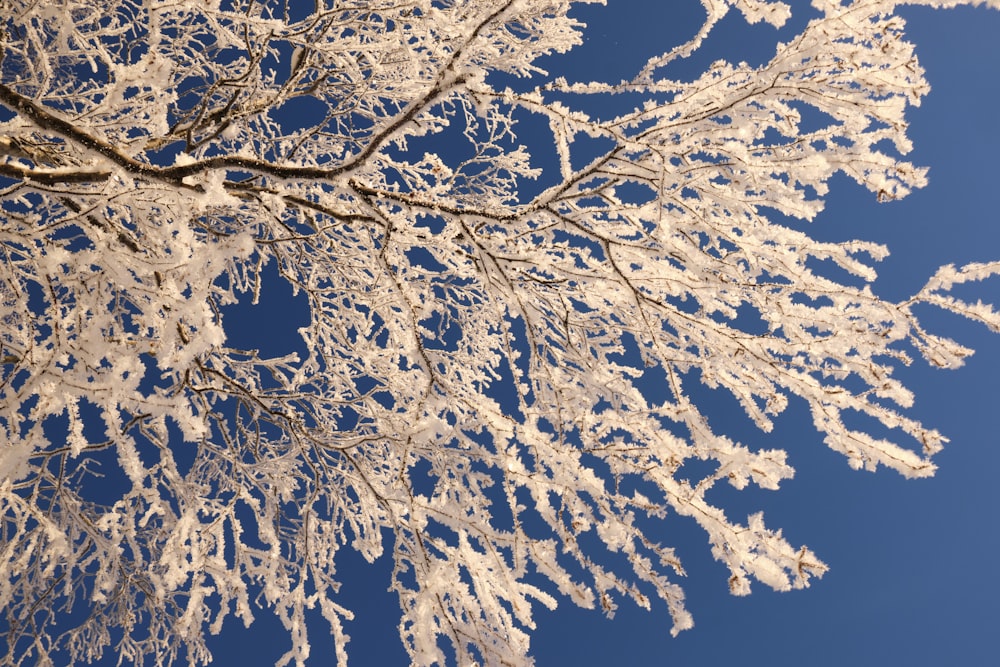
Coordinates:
<point>500,360</point>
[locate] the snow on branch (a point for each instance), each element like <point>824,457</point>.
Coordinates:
<point>491,271</point>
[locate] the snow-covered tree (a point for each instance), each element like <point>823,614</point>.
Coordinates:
<point>496,383</point>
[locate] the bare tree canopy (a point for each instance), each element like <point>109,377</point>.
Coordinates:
<point>493,384</point>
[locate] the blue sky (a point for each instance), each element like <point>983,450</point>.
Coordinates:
<point>910,579</point>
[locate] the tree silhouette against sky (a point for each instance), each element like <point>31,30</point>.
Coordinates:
<point>512,293</point>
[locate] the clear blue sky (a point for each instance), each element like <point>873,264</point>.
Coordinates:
<point>910,579</point>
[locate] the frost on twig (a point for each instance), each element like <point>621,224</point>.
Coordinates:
<point>468,400</point>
